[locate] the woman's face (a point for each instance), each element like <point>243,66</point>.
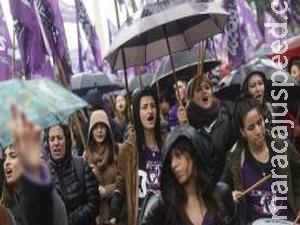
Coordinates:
<point>148,112</point>
<point>181,165</point>
<point>120,104</point>
<point>165,107</point>
<point>256,87</point>
<point>12,167</point>
<point>181,90</point>
<point>295,72</point>
<point>254,128</point>
<point>202,96</point>
<point>99,132</point>
<point>57,143</point>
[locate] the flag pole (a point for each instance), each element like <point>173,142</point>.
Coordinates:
<point>13,55</point>
<point>124,65</point>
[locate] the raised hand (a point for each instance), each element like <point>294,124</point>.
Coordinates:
<point>27,140</point>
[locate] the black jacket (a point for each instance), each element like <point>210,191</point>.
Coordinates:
<point>155,212</point>
<point>80,194</point>
<point>31,206</point>
<point>227,210</point>
<point>217,134</point>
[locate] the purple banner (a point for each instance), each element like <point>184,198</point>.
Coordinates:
<point>35,61</point>
<point>112,30</point>
<point>55,32</point>
<point>90,32</point>
<point>295,10</point>
<point>235,47</point>
<point>5,49</point>
<point>68,12</point>
<point>249,30</point>
<point>269,37</point>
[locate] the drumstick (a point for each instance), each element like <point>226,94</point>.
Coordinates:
<point>261,181</point>
<point>296,220</point>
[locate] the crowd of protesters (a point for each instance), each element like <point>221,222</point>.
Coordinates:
<point>187,162</point>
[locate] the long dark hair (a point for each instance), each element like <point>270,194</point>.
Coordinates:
<point>244,104</point>
<point>136,101</point>
<point>173,193</point>
<point>245,88</point>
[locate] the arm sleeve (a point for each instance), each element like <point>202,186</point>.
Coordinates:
<point>38,198</point>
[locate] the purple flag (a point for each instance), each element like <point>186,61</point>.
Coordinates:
<point>249,29</point>
<point>295,10</point>
<point>5,49</point>
<point>235,47</point>
<point>112,30</point>
<point>90,32</point>
<point>54,29</point>
<point>35,61</point>
<point>68,12</point>
<point>80,59</point>
<point>269,37</point>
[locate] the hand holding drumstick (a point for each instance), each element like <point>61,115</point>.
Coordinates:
<point>297,219</point>
<point>238,194</point>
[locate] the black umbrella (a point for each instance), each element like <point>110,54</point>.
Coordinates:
<point>135,82</point>
<point>81,83</point>
<point>186,65</point>
<point>175,26</point>
<point>164,28</point>
<point>231,86</point>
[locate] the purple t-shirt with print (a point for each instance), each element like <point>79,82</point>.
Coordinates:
<point>153,168</point>
<point>259,200</point>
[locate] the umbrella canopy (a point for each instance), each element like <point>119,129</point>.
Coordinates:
<point>186,64</point>
<point>82,82</point>
<point>135,82</point>
<point>43,101</point>
<point>231,86</point>
<point>293,50</point>
<point>184,23</point>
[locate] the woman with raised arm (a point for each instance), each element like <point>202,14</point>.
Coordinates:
<point>28,197</point>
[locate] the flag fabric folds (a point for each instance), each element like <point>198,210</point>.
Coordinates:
<point>90,32</point>
<point>234,42</point>
<point>5,49</point>
<point>35,61</point>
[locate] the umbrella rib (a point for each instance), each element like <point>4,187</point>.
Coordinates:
<point>217,25</point>
<point>183,34</point>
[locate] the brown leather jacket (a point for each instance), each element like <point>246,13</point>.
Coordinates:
<point>127,182</point>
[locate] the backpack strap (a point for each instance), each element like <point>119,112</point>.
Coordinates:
<point>79,169</point>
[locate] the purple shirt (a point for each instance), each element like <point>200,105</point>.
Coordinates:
<point>173,120</point>
<point>153,168</point>
<point>259,200</point>
<point>207,220</point>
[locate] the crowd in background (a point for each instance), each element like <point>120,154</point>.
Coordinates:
<point>188,161</point>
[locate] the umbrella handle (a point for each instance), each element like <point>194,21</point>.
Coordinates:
<point>202,49</point>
